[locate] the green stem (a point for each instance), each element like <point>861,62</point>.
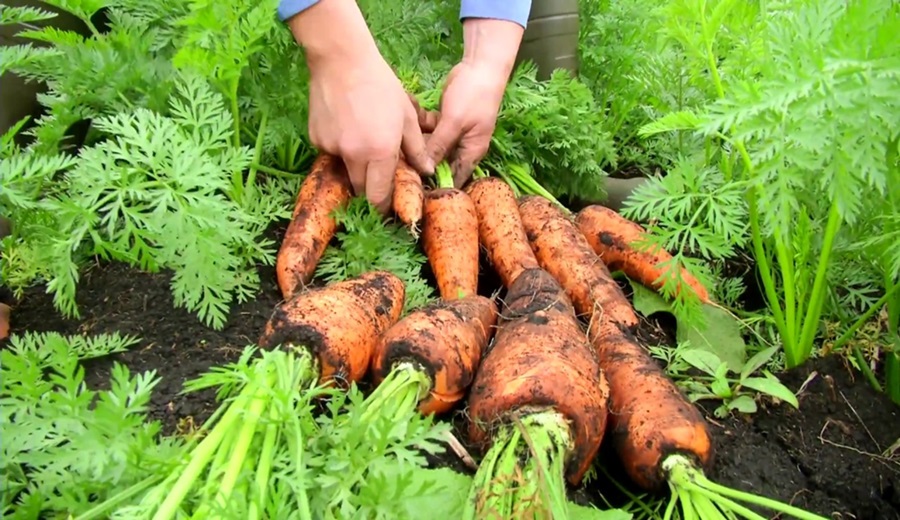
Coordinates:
<point>682,474</point>
<point>251,177</point>
<point>399,392</point>
<point>848,334</point>
<point>444,176</point>
<point>199,458</point>
<point>119,498</point>
<point>503,483</point>
<point>528,184</point>
<point>866,370</point>
<point>264,469</point>
<point>817,299</point>
<point>268,170</point>
<point>245,437</point>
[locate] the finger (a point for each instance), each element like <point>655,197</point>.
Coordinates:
<point>380,183</point>
<point>356,170</point>
<point>427,119</point>
<point>443,140</point>
<point>413,146</point>
<point>468,155</point>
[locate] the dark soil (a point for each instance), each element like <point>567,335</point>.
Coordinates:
<point>828,457</point>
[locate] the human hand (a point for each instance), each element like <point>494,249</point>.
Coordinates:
<point>472,95</point>
<point>358,109</point>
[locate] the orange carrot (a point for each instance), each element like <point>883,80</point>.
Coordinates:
<point>340,323</point>
<point>500,228</point>
<point>650,419</point>
<point>408,197</point>
<point>539,389</point>
<point>444,339</point>
<point>450,237</point>
<point>4,321</point>
<point>326,188</point>
<point>612,237</point>
<point>562,250</point>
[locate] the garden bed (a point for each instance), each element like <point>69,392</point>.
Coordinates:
<point>827,458</point>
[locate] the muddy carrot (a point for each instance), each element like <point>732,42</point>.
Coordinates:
<point>444,340</point>
<point>562,250</point>
<point>613,238</point>
<point>538,404</point>
<point>661,437</point>
<point>326,188</point>
<point>4,321</point>
<point>339,323</point>
<point>450,237</point>
<point>408,197</point>
<point>500,228</point>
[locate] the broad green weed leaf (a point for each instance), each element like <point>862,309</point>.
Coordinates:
<point>703,360</point>
<point>758,360</point>
<point>743,404</point>
<point>720,336</point>
<point>578,512</point>
<point>772,386</point>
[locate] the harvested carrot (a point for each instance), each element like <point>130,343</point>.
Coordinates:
<point>4,321</point>
<point>443,340</point>
<point>339,323</point>
<point>612,237</point>
<point>408,197</point>
<point>500,228</point>
<point>450,237</point>
<point>562,250</point>
<point>326,188</point>
<point>539,400</point>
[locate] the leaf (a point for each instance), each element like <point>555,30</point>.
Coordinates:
<point>579,512</point>
<point>703,360</point>
<point>758,360</point>
<point>770,385</point>
<point>743,404</point>
<point>721,334</point>
<point>447,497</point>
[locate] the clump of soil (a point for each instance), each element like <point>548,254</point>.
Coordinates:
<point>830,457</point>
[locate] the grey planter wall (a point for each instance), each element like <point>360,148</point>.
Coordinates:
<point>18,98</point>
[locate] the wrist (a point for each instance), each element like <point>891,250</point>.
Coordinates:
<point>492,44</point>
<point>314,29</point>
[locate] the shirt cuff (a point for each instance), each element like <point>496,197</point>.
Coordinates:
<point>512,10</point>
<point>289,8</point>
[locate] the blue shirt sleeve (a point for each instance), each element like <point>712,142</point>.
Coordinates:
<point>289,8</point>
<point>512,10</point>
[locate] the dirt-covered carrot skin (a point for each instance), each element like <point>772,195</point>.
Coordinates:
<point>326,188</point>
<point>500,228</point>
<point>340,323</point>
<point>4,321</point>
<point>450,241</point>
<point>562,250</point>
<point>408,197</point>
<point>649,417</point>
<point>446,339</point>
<point>612,237</point>
<point>540,358</point>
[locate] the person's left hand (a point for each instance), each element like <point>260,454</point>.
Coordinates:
<point>468,115</point>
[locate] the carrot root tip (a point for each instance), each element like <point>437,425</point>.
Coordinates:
<point>531,449</point>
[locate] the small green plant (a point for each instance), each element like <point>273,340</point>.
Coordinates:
<point>718,382</point>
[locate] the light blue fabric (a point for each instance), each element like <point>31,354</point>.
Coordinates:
<point>512,10</point>
<point>288,8</point>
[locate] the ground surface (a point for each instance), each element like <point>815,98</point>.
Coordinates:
<point>826,459</point>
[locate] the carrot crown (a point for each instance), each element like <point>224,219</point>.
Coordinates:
<point>443,175</point>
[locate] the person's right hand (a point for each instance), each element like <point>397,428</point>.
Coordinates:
<point>363,115</point>
<point>358,109</point>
